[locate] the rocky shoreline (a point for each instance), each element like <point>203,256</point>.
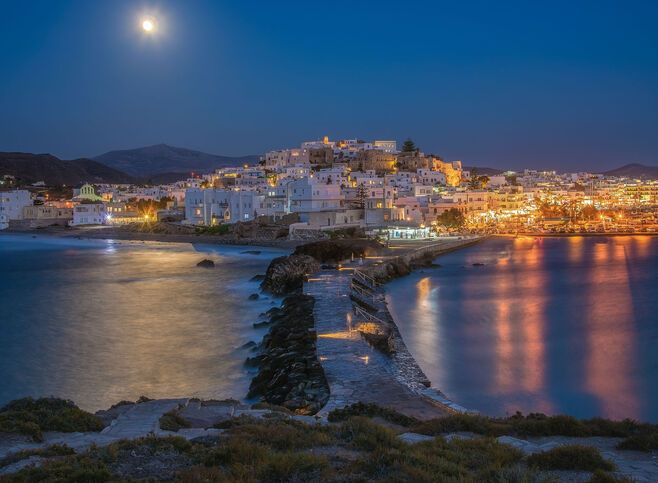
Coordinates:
<point>289,372</point>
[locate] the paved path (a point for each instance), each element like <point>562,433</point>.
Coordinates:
<point>355,371</point>
<point>141,419</point>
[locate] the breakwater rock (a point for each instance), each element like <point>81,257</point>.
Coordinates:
<point>333,251</point>
<point>286,274</point>
<point>289,373</point>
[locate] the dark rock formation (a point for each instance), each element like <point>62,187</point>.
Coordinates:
<point>254,296</point>
<point>257,278</point>
<point>289,373</point>
<point>205,263</point>
<point>286,274</point>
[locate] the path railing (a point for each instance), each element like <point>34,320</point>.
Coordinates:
<point>365,279</point>
<point>364,313</point>
<point>365,293</point>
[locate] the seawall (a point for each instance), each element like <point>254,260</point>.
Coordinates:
<point>368,295</point>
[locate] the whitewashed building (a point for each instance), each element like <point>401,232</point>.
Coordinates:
<point>12,204</point>
<point>89,214</point>
<point>213,206</point>
<point>310,195</point>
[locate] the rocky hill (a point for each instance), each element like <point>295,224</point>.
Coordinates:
<point>634,170</point>
<point>149,161</point>
<point>31,168</point>
<point>484,171</point>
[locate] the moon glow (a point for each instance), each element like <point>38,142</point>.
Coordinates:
<point>148,25</point>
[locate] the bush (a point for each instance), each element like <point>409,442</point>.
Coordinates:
<point>282,435</point>
<point>438,460</point>
<point>48,452</point>
<point>570,457</point>
<point>172,421</point>
<point>640,442</point>
<point>213,230</point>
<point>33,416</point>
<point>69,469</point>
<point>371,410</point>
<point>367,435</point>
<point>603,477</point>
<point>534,424</point>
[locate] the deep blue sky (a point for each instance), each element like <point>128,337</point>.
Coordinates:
<point>564,85</point>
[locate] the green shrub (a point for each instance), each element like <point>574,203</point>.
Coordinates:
<point>213,230</point>
<point>570,457</point>
<point>438,460</point>
<point>600,476</point>
<point>48,452</point>
<point>70,469</point>
<point>172,421</point>
<point>283,435</point>
<point>534,424</point>
<point>640,442</point>
<point>371,410</point>
<point>33,416</point>
<point>364,434</point>
<point>294,467</point>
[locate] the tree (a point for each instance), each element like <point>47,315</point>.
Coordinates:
<point>409,146</point>
<point>477,182</point>
<point>452,218</point>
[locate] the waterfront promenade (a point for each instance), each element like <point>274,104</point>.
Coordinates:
<point>357,372</point>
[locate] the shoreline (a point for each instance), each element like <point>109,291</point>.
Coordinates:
<point>113,234</point>
<point>568,235</point>
<point>408,370</point>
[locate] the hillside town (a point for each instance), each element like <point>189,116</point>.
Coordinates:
<point>396,192</point>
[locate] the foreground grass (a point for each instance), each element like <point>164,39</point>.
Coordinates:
<point>357,449</point>
<point>354,447</point>
<point>48,452</point>
<point>570,457</point>
<point>33,416</point>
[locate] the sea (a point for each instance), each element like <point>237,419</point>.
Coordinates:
<point>100,321</point>
<point>552,325</point>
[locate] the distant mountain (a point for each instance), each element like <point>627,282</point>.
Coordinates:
<point>155,160</point>
<point>484,171</point>
<point>31,168</point>
<point>634,170</point>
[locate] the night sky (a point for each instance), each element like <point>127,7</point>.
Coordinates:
<point>564,85</point>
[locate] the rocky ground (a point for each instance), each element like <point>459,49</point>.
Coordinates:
<point>287,274</point>
<point>229,441</point>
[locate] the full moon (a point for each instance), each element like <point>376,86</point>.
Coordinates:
<point>148,25</point>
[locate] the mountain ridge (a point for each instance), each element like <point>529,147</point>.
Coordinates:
<point>149,161</point>
<point>634,170</point>
<point>31,168</point>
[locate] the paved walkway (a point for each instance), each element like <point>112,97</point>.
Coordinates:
<point>140,420</point>
<point>355,371</point>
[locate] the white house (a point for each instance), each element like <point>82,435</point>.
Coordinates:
<point>213,206</point>
<point>12,204</point>
<point>309,195</point>
<point>89,214</point>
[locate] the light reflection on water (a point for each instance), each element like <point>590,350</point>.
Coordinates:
<point>100,322</point>
<point>552,325</point>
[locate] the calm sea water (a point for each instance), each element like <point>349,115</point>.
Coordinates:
<point>100,321</point>
<point>553,325</point>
